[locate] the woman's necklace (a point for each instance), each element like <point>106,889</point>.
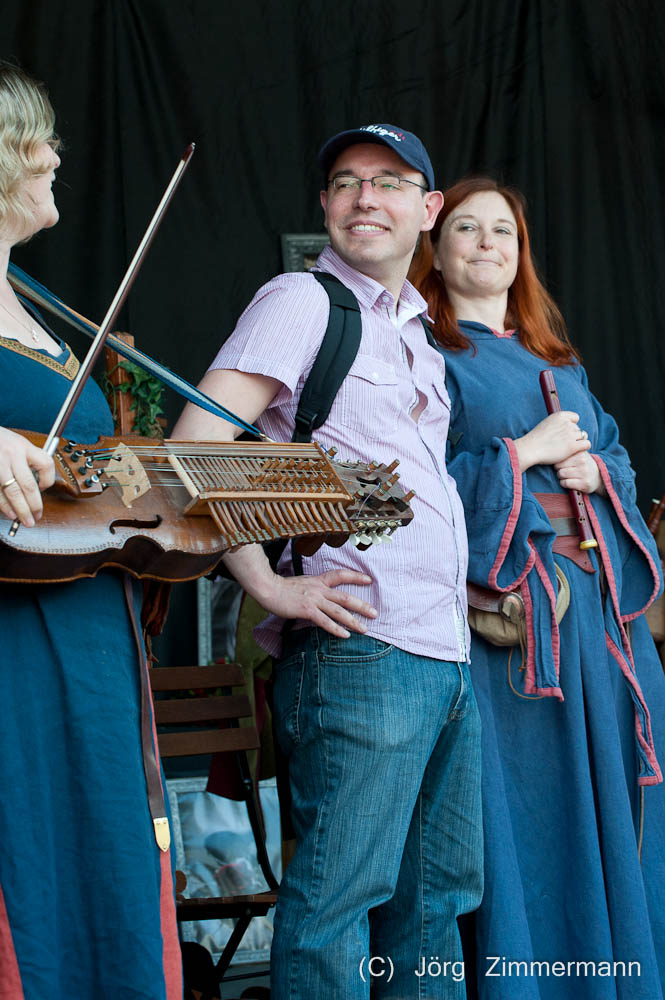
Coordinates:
<point>32,329</point>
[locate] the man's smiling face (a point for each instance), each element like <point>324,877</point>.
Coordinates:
<point>375,231</point>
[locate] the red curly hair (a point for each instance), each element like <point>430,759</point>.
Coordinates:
<point>531,310</point>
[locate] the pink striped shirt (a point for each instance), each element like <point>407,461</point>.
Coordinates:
<point>419,579</point>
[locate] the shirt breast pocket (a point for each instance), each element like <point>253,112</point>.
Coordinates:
<point>372,392</point>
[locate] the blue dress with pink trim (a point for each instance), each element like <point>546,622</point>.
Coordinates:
<point>574,805</point>
<point>86,896</point>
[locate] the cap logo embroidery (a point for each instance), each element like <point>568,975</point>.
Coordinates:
<point>377,130</point>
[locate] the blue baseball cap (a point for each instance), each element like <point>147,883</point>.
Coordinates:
<point>407,145</point>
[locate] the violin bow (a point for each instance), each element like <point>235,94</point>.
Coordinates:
<point>31,289</point>
<point>113,310</point>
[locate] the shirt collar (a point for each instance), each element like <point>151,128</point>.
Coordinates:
<point>366,289</point>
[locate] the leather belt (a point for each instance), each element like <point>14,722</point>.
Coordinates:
<point>557,508</point>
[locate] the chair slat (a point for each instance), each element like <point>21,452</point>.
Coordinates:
<point>183,678</point>
<point>184,710</point>
<point>207,741</point>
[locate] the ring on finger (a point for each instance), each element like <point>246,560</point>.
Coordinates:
<point>9,482</point>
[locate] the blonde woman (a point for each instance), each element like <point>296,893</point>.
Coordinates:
<point>86,903</point>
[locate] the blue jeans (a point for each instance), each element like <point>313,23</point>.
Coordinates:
<point>384,763</point>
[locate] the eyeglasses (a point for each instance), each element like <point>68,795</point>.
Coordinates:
<point>384,183</point>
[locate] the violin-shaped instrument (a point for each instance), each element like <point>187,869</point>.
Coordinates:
<point>169,511</point>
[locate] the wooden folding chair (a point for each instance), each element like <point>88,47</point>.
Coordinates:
<point>190,725</point>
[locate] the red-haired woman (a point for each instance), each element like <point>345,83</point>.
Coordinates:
<point>575,843</point>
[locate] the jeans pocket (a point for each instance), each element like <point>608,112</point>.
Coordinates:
<point>356,649</point>
<point>287,695</point>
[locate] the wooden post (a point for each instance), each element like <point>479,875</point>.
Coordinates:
<point>121,401</point>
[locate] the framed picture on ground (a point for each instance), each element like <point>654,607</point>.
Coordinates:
<point>215,848</point>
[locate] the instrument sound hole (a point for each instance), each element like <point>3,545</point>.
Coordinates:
<point>135,523</point>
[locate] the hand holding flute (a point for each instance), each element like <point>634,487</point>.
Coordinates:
<point>553,405</point>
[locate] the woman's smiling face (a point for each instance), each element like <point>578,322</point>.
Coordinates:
<point>478,250</point>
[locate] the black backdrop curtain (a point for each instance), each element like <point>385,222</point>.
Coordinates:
<point>563,98</point>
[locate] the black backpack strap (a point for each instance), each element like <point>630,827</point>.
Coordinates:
<point>428,332</point>
<point>336,355</point>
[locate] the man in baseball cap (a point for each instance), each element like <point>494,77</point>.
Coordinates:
<point>378,197</point>
<point>373,703</point>
<point>407,146</point>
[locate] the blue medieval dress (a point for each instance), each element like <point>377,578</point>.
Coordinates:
<point>86,896</point>
<point>574,807</point>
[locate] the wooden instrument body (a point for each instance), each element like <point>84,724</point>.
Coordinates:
<point>183,523</point>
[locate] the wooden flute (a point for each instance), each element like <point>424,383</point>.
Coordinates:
<point>553,405</point>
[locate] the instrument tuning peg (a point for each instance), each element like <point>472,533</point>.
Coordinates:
<point>408,496</point>
<point>332,451</point>
<point>393,465</point>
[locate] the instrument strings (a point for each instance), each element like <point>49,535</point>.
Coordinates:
<point>207,471</point>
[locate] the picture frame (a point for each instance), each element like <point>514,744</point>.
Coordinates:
<point>214,847</point>
<point>300,250</point>
<point>217,608</point>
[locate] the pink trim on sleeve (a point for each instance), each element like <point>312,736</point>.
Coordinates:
<point>509,529</point>
<point>625,658</point>
<point>620,513</point>
<point>611,579</point>
<point>646,742</point>
<point>530,686</point>
<point>547,584</point>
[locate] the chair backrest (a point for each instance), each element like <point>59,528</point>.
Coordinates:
<point>191,704</point>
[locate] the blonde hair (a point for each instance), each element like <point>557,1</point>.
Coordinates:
<point>27,120</point>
